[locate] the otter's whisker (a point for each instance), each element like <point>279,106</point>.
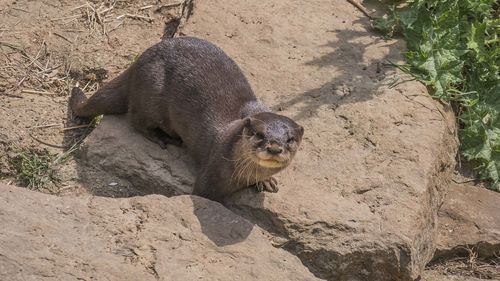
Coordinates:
<point>256,181</point>
<point>243,161</point>
<point>248,171</point>
<point>241,168</point>
<point>236,165</point>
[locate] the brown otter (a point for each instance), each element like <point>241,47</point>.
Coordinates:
<point>187,90</point>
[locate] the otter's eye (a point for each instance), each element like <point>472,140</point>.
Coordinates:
<point>290,140</point>
<point>259,135</point>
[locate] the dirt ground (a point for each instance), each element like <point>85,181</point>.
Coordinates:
<point>47,47</point>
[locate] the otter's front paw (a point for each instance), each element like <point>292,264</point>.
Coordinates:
<point>269,185</point>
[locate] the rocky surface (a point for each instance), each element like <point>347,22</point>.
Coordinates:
<point>430,275</point>
<point>468,242</point>
<point>469,219</point>
<point>116,148</point>
<point>360,200</point>
<point>153,237</point>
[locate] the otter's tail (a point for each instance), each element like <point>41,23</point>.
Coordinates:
<point>112,98</point>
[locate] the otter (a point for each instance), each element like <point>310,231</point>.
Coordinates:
<point>187,91</point>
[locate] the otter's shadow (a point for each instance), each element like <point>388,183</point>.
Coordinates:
<point>221,225</point>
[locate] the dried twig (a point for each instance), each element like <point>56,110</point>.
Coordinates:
<point>46,143</point>
<point>105,11</point>
<point>145,7</point>
<point>65,18</point>
<point>75,127</point>
<point>96,14</point>
<point>11,96</point>
<point>27,91</point>
<point>139,17</point>
<point>19,9</point>
<point>79,7</point>
<point>49,69</point>
<point>167,6</point>
<point>360,7</point>
<point>115,27</point>
<point>45,126</point>
<point>462,182</point>
<point>35,59</point>
<point>63,37</point>
<point>21,81</point>
<point>32,61</point>
<point>14,47</point>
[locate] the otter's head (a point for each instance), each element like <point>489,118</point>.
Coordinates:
<point>273,139</point>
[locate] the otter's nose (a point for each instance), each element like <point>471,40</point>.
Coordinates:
<point>274,149</point>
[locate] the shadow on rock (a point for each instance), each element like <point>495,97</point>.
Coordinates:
<point>221,225</point>
<point>116,161</point>
<point>358,77</point>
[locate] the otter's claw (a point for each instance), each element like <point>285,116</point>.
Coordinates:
<point>269,185</point>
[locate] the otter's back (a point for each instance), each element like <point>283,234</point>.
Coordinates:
<point>193,81</point>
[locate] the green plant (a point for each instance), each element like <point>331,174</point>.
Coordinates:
<point>35,168</point>
<point>454,49</point>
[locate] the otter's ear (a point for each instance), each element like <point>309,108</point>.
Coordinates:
<point>247,122</point>
<point>300,129</point>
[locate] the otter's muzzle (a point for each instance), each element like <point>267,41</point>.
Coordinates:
<point>274,149</point>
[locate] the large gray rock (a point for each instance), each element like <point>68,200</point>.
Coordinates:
<point>44,237</point>
<point>469,220</point>
<point>360,200</point>
<point>115,148</point>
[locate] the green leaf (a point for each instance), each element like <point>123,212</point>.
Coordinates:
<point>454,47</point>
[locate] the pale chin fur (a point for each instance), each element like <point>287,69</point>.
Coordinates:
<point>270,163</point>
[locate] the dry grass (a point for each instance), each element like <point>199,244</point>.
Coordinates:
<point>42,57</point>
<point>32,73</point>
<point>38,73</point>
<point>35,169</point>
<point>470,266</point>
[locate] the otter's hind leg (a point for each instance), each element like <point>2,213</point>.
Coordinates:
<point>166,138</point>
<point>151,131</point>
